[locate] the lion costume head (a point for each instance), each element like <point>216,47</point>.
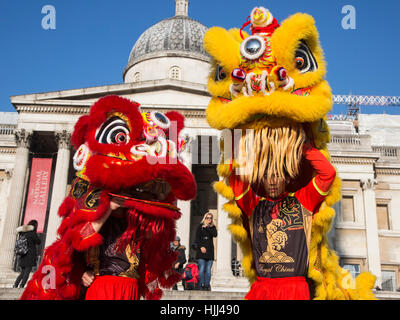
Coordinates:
<point>120,152</point>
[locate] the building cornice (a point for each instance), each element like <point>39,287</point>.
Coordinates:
<point>187,111</point>
<point>8,150</point>
<point>388,171</point>
<point>354,160</point>
<point>70,99</point>
<point>52,109</point>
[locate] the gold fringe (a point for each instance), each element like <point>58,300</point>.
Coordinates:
<point>269,152</point>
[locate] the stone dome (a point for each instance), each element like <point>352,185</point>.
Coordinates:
<point>177,36</point>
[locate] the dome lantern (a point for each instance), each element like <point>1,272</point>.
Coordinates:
<point>172,42</point>
<point>181,7</point>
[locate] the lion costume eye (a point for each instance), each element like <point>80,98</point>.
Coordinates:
<point>113,131</point>
<point>160,119</point>
<point>304,59</point>
<point>253,47</point>
<point>220,74</point>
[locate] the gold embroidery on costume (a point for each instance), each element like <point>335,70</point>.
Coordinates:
<point>80,188</point>
<point>92,200</point>
<point>261,225</point>
<point>290,213</point>
<point>287,217</point>
<point>133,271</point>
<point>276,240</point>
<point>93,259</point>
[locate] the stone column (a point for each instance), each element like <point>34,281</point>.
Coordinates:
<point>371,224</point>
<point>183,224</point>
<point>222,278</point>
<point>224,242</point>
<point>59,185</point>
<point>15,199</point>
<point>4,188</point>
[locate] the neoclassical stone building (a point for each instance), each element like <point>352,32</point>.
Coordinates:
<point>366,233</point>
<point>167,70</point>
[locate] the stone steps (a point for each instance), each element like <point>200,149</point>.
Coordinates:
<point>202,295</point>
<point>15,294</point>
<point>7,279</point>
<point>10,293</point>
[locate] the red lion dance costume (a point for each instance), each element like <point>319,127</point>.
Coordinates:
<point>119,150</point>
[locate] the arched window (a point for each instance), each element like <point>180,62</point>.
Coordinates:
<point>136,77</point>
<point>175,73</point>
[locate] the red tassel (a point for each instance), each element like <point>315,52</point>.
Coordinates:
<point>244,26</point>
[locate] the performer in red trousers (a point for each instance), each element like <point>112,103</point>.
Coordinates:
<point>280,227</point>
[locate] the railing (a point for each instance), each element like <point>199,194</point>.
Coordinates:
<point>363,142</point>
<point>346,139</point>
<point>7,129</point>
<point>387,151</point>
<point>367,100</point>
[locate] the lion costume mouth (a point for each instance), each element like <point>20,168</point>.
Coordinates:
<point>152,208</point>
<point>149,190</point>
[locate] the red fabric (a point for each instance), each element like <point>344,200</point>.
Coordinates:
<point>156,209</point>
<point>290,288</point>
<point>244,26</point>
<point>125,174</point>
<point>179,120</point>
<point>246,200</point>
<point>325,171</point>
<point>268,29</point>
<point>195,273</point>
<point>113,288</point>
<point>309,196</point>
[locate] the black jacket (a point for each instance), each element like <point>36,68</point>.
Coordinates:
<point>204,238</point>
<point>181,258</point>
<point>29,260</point>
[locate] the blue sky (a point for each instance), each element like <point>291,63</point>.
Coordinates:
<point>93,38</point>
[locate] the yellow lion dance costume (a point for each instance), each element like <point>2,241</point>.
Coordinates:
<point>277,85</point>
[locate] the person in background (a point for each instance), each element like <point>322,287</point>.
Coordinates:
<point>190,275</point>
<point>205,233</point>
<point>27,261</point>
<point>181,260</point>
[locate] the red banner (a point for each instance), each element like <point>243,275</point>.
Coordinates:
<point>38,191</point>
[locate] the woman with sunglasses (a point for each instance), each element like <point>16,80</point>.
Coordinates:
<point>206,231</point>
